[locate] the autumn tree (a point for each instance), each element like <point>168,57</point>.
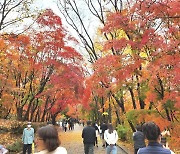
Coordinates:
<point>67,73</point>
<point>36,65</point>
<point>145,36</point>
<point>150,53</point>
<point>74,13</point>
<point>141,63</point>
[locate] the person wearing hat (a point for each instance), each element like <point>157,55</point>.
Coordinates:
<point>28,138</point>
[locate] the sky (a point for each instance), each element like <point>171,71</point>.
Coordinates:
<point>53,5</point>
<point>91,22</point>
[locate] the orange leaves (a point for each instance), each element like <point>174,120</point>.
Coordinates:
<point>162,123</point>
<point>175,138</point>
<point>2,44</point>
<point>151,96</point>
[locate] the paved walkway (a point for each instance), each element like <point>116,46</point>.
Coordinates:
<point>72,141</point>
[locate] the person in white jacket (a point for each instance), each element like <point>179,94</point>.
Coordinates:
<point>111,138</point>
<point>48,141</point>
<point>3,150</point>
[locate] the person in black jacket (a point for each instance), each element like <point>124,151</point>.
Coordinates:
<point>103,127</point>
<point>97,132</point>
<point>89,136</point>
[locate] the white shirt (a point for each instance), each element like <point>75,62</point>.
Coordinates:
<point>110,138</point>
<point>59,150</point>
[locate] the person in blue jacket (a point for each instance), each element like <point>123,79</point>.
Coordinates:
<point>153,135</point>
<point>28,138</point>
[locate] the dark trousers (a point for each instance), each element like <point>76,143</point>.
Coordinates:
<point>28,148</point>
<point>89,148</point>
<point>96,141</point>
<point>136,150</point>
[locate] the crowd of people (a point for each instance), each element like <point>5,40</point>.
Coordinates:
<point>47,139</point>
<point>107,133</point>
<point>67,124</point>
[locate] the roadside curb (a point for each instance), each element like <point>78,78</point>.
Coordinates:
<point>123,148</point>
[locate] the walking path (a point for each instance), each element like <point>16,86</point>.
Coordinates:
<point>72,141</point>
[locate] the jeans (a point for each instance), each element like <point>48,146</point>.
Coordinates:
<point>89,148</point>
<point>111,149</point>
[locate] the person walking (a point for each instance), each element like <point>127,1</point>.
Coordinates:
<point>103,127</point>
<point>3,150</point>
<point>48,142</point>
<point>65,125</point>
<point>164,135</point>
<point>97,133</point>
<point>28,138</point>
<point>153,135</point>
<point>138,138</point>
<point>111,137</point>
<point>89,136</point>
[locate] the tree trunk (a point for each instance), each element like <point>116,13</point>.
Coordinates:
<point>53,117</point>
<point>36,116</point>
<point>141,101</point>
<point>132,97</point>
<point>34,107</point>
<point>19,113</point>
<point>45,111</point>
<point>43,82</point>
<point>117,114</point>
<point>119,102</point>
<point>26,116</point>
<point>109,113</point>
<point>132,126</point>
<point>167,114</point>
<point>103,110</point>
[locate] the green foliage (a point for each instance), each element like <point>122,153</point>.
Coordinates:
<point>144,90</point>
<point>3,129</point>
<point>122,132</point>
<point>136,116</point>
<point>169,104</point>
<point>15,147</point>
